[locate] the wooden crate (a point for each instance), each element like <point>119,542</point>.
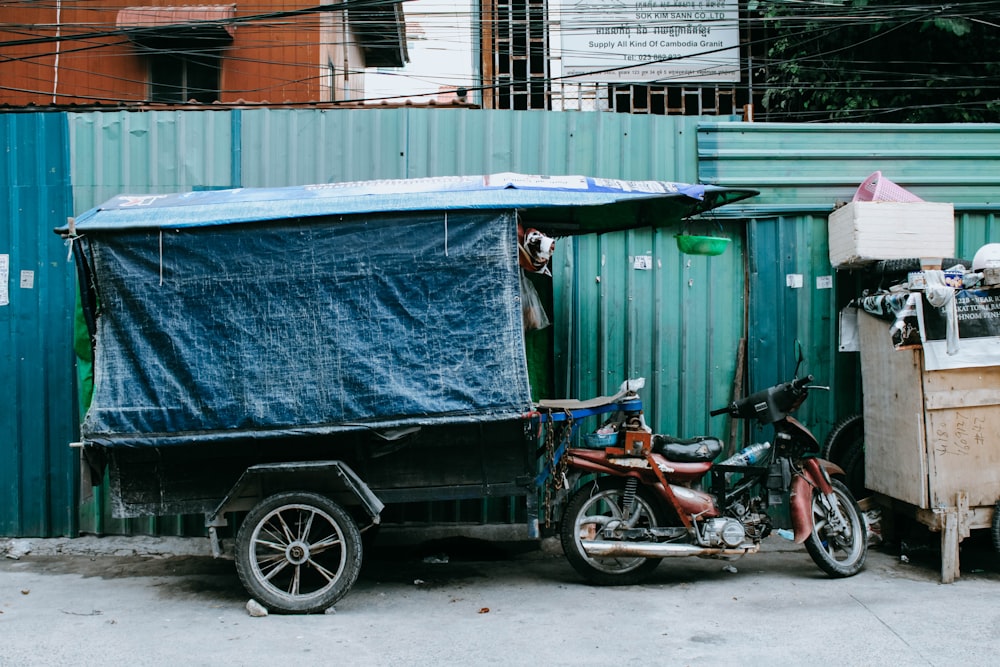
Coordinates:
<point>932,438</point>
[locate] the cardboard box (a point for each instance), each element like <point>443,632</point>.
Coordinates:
<point>863,232</point>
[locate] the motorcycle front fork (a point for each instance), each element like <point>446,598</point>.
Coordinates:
<point>835,518</point>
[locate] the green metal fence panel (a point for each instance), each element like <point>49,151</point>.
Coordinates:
<point>679,322</point>
<point>293,147</point>
<point>803,172</point>
<point>792,300</point>
<point>811,167</point>
<point>651,322</point>
<point>974,230</point>
<point>38,470</point>
<point>631,305</point>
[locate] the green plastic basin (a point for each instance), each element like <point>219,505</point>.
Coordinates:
<point>702,245</point>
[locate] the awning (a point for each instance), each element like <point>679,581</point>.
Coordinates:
<point>196,21</point>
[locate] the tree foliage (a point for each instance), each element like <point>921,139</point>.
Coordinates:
<point>886,61</point>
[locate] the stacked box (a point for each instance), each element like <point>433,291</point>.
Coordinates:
<point>863,232</point>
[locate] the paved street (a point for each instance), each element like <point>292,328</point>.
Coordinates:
<point>492,606</point>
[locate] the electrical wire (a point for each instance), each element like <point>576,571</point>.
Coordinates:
<point>895,17</point>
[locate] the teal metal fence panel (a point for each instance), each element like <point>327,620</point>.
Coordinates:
<point>38,470</point>
<point>128,152</point>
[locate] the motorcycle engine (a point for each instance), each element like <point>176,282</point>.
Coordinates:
<point>724,532</point>
<point>753,517</point>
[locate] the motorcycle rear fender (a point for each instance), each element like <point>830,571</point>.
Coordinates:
<point>815,473</point>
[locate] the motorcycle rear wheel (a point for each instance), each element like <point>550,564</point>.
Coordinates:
<point>592,508</point>
<point>839,553</point>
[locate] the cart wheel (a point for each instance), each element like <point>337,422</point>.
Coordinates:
<point>841,437</point>
<point>995,526</point>
<point>298,552</point>
<point>854,468</point>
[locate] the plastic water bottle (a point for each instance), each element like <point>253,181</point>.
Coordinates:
<point>748,455</point>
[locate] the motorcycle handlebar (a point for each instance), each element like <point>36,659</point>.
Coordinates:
<point>802,382</point>
<point>733,408</point>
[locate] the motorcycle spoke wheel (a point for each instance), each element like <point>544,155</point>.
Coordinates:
<point>840,551</point>
<point>298,552</point>
<point>590,511</point>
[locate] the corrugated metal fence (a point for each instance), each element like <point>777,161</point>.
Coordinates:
<point>803,171</point>
<point>37,472</point>
<point>679,323</point>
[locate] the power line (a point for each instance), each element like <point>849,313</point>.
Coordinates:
<point>344,5</point>
<point>817,26</point>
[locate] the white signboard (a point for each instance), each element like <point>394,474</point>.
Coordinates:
<point>662,41</point>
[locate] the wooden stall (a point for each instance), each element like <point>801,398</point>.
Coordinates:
<point>932,439</point>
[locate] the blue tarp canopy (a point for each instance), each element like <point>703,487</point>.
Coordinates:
<point>554,204</point>
<point>257,313</point>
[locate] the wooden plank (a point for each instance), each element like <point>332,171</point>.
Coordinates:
<point>962,398</point>
<point>977,518</point>
<point>949,548</point>
<point>734,424</point>
<point>963,448</point>
<point>895,457</point>
<point>963,435</point>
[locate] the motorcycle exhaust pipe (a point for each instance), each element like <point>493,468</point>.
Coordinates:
<point>605,549</point>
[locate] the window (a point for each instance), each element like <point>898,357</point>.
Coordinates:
<point>181,76</point>
<point>183,47</point>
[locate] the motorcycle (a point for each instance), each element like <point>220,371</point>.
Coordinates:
<point>645,502</point>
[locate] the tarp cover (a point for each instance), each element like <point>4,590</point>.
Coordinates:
<point>305,327</point>
<point>555,204</point>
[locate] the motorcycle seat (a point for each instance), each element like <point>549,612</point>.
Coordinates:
<point>689,450</point>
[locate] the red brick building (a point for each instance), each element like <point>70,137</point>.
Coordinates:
<point>251,51</point>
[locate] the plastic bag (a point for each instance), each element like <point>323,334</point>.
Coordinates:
<point>534,250</point>
<point>532,310</point>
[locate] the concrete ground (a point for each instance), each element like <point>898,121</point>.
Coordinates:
<point>144,601</point>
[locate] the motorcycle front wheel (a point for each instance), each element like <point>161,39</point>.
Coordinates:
<point>840,551</point>
<point>595,507</point>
